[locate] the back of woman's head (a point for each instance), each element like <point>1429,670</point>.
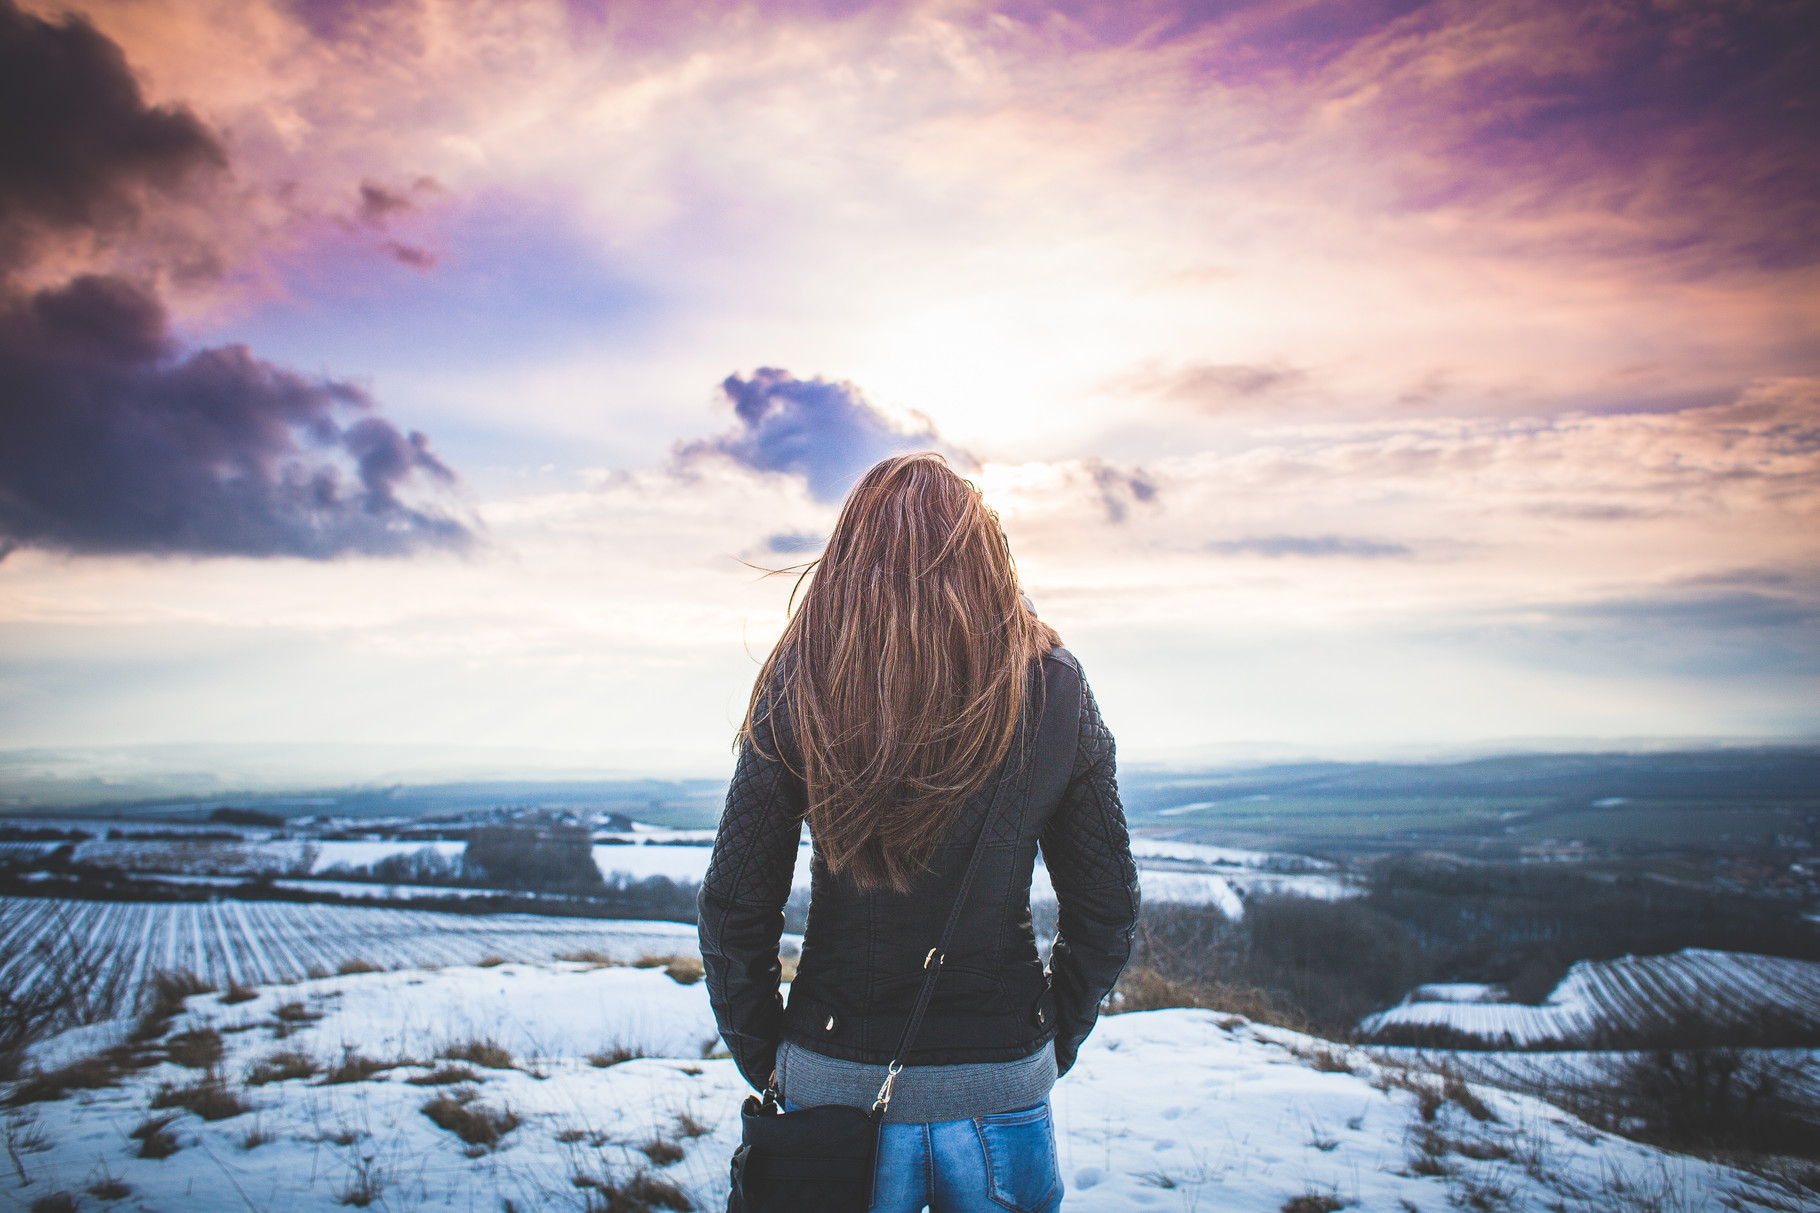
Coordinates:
<point>904,670</point>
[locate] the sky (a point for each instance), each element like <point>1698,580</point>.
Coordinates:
<point>1352,377</point>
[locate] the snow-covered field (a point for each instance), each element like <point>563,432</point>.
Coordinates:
<point>255,942</point>
<point>1169,871</point>
<point>1167,1110</point>
<point>1600,996</point>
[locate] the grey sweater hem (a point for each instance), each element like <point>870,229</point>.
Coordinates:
<point>921,1094</point>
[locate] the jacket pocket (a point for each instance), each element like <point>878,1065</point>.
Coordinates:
<point>1020,1159</point>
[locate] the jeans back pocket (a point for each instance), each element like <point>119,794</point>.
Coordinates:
<point>1020,1158</point>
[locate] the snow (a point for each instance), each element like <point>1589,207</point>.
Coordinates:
<point>1604,995</point>
<point>1167,1110</point>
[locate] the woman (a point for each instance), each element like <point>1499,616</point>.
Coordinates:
<point>913,705</point>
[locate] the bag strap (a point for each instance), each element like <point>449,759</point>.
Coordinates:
<point>932,963</point>
<point>932,969</point>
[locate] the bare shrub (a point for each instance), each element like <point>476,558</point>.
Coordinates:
<point>460,1112</point>
<point>283,1065</point>
<point>198,1049</point>
<point>551,857</point>
<point>1717,1100</point>
<point>443,1076</point>
<point>155,1137</point>
<point>210,1099</point>
<point>164,997</point>
<point>57,982</point>
<point>487,1053</point>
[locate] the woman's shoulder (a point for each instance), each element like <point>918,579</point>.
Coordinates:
<point>1062,657</point>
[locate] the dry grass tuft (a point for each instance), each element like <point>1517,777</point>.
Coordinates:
<point>460,1112</point>
<point>56,1202</point>
<point>640,1194</point>
<point>1141,988</point>
<point>349,968</point>
<point>443,1076</point>
<point>487,1053</point>
<point>199,1049</point>
<point>589,956</point>
<point>614,1055</point>
<point>1314,1202</point>
<point>155,1137</point>
<point>238,993</point>
<point>255,1137</point>
<point>662,1151</point>
<point>684,970</point>
<point>1454,1087</point>
<point>210,1099</point>
<point>1327,1061</point>
<point>110,1188</point>
<point>355,1067</point>
<point>87,1074</point>
<point>282,1065</point>
<point>490,961</point>
<point>688,1126</point>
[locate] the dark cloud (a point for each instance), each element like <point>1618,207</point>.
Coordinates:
<point>1119,488</point>
<point>827,433</point>
<point>1309,545</point>
<point>794,541</point>
<point>1694,125</point>
<point>1217,387</point>
<point>411,255</point>
<point>111,442</point>
<point>79,148</point>
<point>112,438</point>
<point>378,204</point>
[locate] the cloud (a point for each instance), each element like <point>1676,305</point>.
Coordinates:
<point>1215,387</point>
<point>1119,488</point>
<point>827,433</point>
<point>794,541</point>
<point>1309,545</point>
<point>112,439</point>
<point>109,442</point>
<point>81,148</point>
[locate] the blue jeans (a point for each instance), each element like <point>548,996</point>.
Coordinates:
<point>1003,1163</point>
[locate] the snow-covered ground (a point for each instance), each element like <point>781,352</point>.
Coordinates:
<point>1600,996</point>
<point>1170,871</point>
<point>253,942</point>
<point>1167,1110</point>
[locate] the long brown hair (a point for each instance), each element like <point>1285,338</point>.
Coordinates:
<point>903,672</point>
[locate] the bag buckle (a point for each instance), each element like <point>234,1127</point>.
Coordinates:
<point>884,1092</point>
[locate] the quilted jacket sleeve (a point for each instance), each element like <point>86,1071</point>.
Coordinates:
<point>740,910</point>
<point>1088,853</point>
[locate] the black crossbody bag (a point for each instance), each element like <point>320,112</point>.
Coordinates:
<point>821,1160</point>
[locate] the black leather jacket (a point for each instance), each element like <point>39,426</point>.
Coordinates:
<point>863,951</point>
